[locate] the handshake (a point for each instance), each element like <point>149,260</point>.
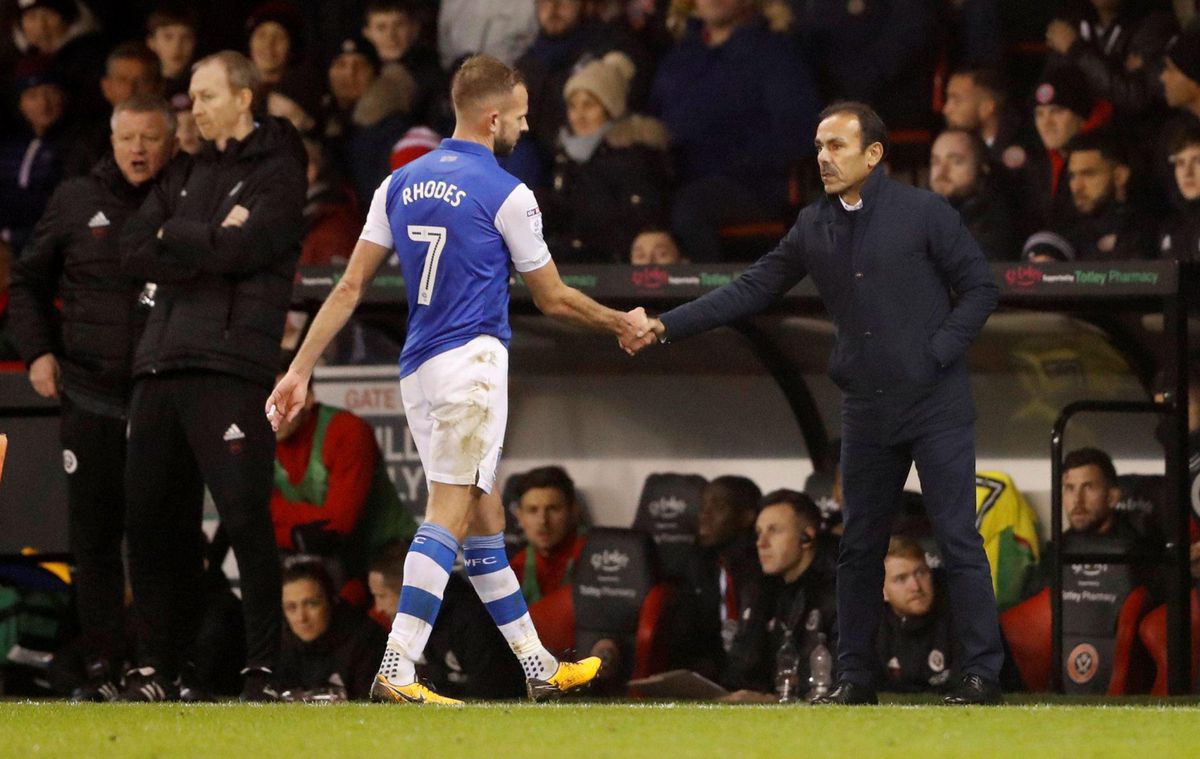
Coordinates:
<point>638,331</point>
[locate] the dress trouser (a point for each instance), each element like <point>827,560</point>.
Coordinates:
<point>190,429</point>
<point>94,459</point>
<point>873,476</point>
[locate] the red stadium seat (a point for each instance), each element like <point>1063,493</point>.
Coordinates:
<point>650,652</point>
<point>1153,634</point>
<point>1026,627</point>
<point>553,616</point>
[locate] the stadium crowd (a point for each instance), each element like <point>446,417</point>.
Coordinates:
<point>660,132</point>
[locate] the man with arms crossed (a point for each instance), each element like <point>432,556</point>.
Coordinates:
<point>456,219</point>
<point>908,290</point>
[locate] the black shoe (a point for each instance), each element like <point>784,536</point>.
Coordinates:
<point>191,691</point>
<point>973,690</point>
<point>100,686</point>
<point>848,694</point>
<point>146,684</point>
<point>257,685</point>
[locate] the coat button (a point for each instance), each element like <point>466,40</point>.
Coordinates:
<point>858,275</point>
<point>878,391</point>
<point>867,333</point>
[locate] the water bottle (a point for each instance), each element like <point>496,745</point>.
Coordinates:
<point>820,668</point>
<point>787,669</point>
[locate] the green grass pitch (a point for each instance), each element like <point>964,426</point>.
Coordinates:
<point>574,730</point>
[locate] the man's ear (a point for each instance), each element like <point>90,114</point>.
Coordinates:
<point>874,154</point>
<point>1121,174</point>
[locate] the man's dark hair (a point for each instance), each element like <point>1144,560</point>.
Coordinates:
<point>1185,138</point>
<point>872,127</point>
<point>741,492</point>
<point>309,568</point>
<point>134,51</point>
<point>172,14</point>
<point>988,79</point>
<point>407,7</point>
<point>1101,142</point>
<point>806,510</point>
<point>480,78</point>
<point>1092,457</point>
<point>547,477</point>
<point>390,563</point>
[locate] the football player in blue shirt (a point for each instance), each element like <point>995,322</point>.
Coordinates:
<point>456,220</point>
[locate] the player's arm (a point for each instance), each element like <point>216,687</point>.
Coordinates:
<point>519,222</point>
<point>373,248</point>
<point>556,299</point>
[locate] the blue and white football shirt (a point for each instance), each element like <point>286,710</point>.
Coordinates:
<point>455,220</point>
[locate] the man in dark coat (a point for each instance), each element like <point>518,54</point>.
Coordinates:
<point>84,357</point>
<point>886,259</point>
<point>219,237</point>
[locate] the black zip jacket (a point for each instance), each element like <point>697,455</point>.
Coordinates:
<point>75,256</point>
<point>222,291</point>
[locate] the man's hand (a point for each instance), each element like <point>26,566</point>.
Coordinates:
<point>237,217</point>
<point>635,324</point>
<point>287,399</point>
<point>749,697</point>
<point>44,375</point>
<point>647,333</point>
<point>1060,36</point>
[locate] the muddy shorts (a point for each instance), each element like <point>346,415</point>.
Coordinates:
<point>457,408</point>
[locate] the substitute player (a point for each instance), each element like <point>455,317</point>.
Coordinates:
<point>456,220</point>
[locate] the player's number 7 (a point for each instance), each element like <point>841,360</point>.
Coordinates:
<point>435,237</point>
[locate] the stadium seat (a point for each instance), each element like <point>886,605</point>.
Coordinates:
<point>617,596</point>
<point>1153,634</point>
<point>1027,628</point>
<point>554,618</point>
<point>667,511</point>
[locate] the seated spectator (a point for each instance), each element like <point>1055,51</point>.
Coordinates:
<point>1047,247</point>
<point>977,101</point>
<point>31,162</point>
<point>723,578</point>
<point>171,33</point>
<point>275,42</point>
<point>332,220</point>
<point>1063,103</point>
<point>131,69</point>
<point>741,108</point>
<point>548,513</point>
<point>466,656</point>
<point>797,595</point>
<point>187,132</point>
<point>329,651</point>
<point>1118,46</point>
<point>567,40</point>
<point>393,27</point>
<point>470,27</point>
<point>1106,226</point>
<point>1180,79</point>
<point>655,247</point>
<point>1180,237</point>
<point>57,30</point>
<point>332,495</point>
<point>610,168</point>
<point>916,650</point>
<point>364,114</point>
<point>959,170</point>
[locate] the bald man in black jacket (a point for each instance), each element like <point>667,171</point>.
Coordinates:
<point>908,290</point>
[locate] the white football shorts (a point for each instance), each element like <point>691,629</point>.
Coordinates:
<point>457,409</point>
